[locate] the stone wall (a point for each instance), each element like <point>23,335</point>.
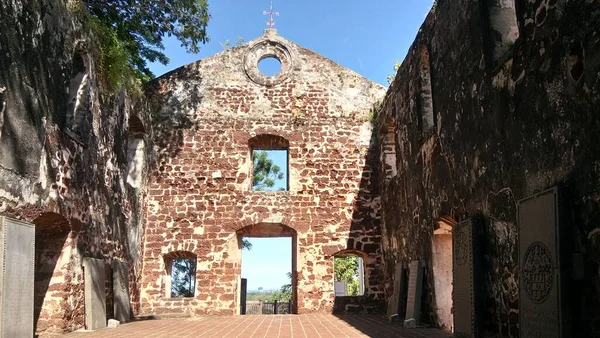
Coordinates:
<point>208,116</point>
<point>494,102</point>
<point>64,160</point>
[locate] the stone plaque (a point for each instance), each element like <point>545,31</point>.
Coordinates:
<point>542,297</point>
<point>397,302</point>
<point>466,275</point>
<point>339,288</point>
<point>122,306</point>
<point>415,288</point>
<point>17,258</point>
<point>95,293</point>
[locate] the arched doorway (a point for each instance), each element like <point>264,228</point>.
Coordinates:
<point>271,231</point>
<point>51,232</point>
<point>441,248</point>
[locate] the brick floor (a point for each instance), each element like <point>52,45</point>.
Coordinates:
<point>266,326</point>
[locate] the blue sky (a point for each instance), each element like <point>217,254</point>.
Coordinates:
<point>365,36</point>
<point>267,263</point>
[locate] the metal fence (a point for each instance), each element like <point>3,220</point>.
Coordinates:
<point>258,307</point>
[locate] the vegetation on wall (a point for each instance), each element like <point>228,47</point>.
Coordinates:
<point>345,269</point>
<point>130,33</point>
<point>265,172</point>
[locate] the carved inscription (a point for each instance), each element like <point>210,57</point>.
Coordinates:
<point>537,272</point>
<point>462,248</point>
<point>542,297</point>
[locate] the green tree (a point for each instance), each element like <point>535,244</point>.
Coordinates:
<point>345,269</point>
<point>183,277</point>
<point>246,244</point>
<point>265,173</point>
<point>391,77</point>
<point>140,25</point>
<point>284,293</point>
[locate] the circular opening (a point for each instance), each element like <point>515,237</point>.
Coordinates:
<point>269,66</point>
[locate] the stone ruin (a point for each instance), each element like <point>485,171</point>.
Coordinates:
<point>469,188</point>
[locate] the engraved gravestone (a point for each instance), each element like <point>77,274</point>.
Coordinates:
<point>396,301</point>
<point>466,275</point>
<point>122,306</point>
<point>415,288</point>
<point>95,293</point>
<point>542,296</point>
<point>17,257</point>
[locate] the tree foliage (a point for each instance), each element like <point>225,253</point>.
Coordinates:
<point>140,25</point>
<point>285,292</point>
<point>265,173</point>
<point>345,269</point>
<point>183,277</point>
<point>391,77</point>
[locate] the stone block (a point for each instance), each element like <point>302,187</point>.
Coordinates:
<point>543,297</point>
<point>410,323</point>
<point>113,323</point>
<point>415,289</point>
<point>122,305</point>
<point>17,255</point>
<point>95,293</point>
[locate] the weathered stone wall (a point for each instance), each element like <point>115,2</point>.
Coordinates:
<point>63,156</point>
<point>200,197</point>
<point>480,119</point>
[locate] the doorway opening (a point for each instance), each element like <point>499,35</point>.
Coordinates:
<point>442,270</point>
<point>268,270</point>
<point>51,232</point>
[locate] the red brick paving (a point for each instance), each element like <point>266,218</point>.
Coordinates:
<point>265,326</point>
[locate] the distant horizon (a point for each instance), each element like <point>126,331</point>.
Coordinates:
<point>267,263</point>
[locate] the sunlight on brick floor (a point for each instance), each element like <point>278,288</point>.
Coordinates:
<point>307,326</point>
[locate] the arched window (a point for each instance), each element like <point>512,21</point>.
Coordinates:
<point>349,273</point>
<point>503,29</point>
<point>388,154</point>
<point>425,98</point>
<point>269,154</point>
<point>136,149</point>
<point>78,105</point>
<point>180,274</point>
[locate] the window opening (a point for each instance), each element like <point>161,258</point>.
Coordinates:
<point>181,277</point>
<point>269,66</point>
<point>349,276</point>
<point>269,170</point>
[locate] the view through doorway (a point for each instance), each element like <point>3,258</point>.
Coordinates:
<point>267,268</point>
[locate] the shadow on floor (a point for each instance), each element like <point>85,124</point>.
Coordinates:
<point>379,326</point>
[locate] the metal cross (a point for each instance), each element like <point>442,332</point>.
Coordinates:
<point>271,23</point>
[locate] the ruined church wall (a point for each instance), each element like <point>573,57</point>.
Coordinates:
<point>64,156</point>
<point>200,196</point>
<point>478,125</point>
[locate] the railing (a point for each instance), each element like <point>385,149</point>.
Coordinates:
<point>258,307</point>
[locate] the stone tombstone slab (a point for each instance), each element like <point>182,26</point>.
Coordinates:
<point>396,301</point>
<point>466,275</point>
<point>542,294</point>
<point>95,293</point>
<point>122,305</point>
<point>339,288</point>
<point>17,259</point>
<point>415,289</point>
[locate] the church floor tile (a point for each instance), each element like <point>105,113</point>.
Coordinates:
<point>266,326</point>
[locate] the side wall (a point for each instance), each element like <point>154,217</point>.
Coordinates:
<point>478,125</point>
<point>63,157</point>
